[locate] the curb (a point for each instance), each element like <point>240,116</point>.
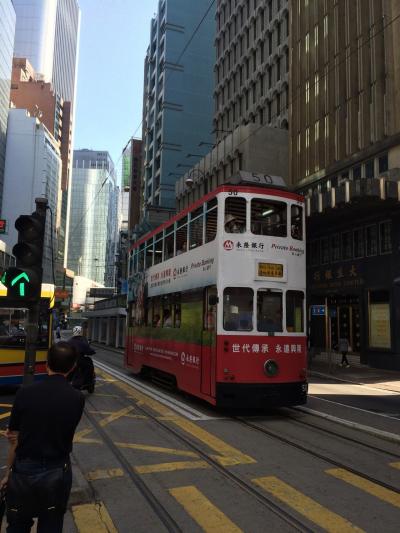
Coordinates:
<point>335,378</point>
<point>81,491</point>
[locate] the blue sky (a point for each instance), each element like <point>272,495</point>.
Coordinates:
<point>114,39</point>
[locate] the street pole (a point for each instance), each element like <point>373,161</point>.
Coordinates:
<point>32,328</point>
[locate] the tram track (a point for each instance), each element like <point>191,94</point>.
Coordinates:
<point>281,512</point>
<point>317,455</point>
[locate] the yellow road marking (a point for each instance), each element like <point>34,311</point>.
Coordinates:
<point>306,506</point>
<point>5,415</point>
<point>227,455</point>
<point>80,437</point>
<point>115,416</point>
<point>156,449</point>
<point>93,518</point>
<point>208,517</point>
<point>374,489</point>
<point>104,474</point>
<point>395,465</point>
<point>140,417</point>
<point>170,467</point>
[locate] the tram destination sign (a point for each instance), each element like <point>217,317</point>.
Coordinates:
<point>270,270</point>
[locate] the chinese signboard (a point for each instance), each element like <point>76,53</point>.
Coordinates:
<point>379,325</point>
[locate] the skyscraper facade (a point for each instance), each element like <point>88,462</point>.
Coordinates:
<point>7,30</point>
<point>178,88</point>
<point>93,226</point>
<point>345,158</point>
<point>252,64</point>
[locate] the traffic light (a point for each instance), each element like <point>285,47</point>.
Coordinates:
<point>24,281</point>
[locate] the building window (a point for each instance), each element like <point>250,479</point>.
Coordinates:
<point>369,169</point>
<point>357,172</point>
<point>379,319</point>
<point>358,243</point>
<point>385,237</point>
<point>335,246</point>
<point>383,163</point>
<point>371,240</point>
<point>324,250</point>
<point>347,245</point>
<point>314,253</point>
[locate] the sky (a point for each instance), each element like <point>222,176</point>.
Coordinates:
<point>113,42</point>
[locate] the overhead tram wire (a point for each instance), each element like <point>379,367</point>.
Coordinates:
<point>141,122</point>
<point>325,74</point>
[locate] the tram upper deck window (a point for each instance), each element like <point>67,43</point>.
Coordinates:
<point>181,236</point>
<point>235,215</point>
<point>268,218</point>
<point>158,248</point>
<point>211,219</point>
<point>296,222</point>
<point>196,228</point>
<point>238,309</point>
<point>295,311</point>
<point>269,310</point>
<point>141,258</point>
<point>169,243</point>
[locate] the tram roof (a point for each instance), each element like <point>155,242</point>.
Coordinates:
<point>280,193</point>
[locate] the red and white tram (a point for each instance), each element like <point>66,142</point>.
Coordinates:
<point>217,298</point>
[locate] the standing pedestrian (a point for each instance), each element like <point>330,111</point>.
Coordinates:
<point>343,347</point>
<point>40,433</point>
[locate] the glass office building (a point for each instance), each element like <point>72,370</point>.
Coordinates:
<point>93,218</point>
<point>7,30</point>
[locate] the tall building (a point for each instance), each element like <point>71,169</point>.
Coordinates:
<point>47,34</point>
<point>7,30</point>
<point>32,170</point>
<point>345,157</point>
<point>252,64</point>
<point>178,103</point>
<point>131,172</point>
<point>93,229</point>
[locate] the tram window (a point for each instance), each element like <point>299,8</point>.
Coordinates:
<point>176,308</point>
<point>149,253</point>
<point>156,319</point>
<point>296,222</point>
<point>235,215</point>
<point>269,310</point>
<point>169,243</point>
<point>295,311</point>
<point>238,309</point>
<point>210,311</point>
<point>166,317</point>
<point>181,236</point>
<point>158,248</point>
<point>211,220</point>
<point>268,218</point>
<point>196,228</point>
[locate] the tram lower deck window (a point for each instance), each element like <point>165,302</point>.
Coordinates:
<point>295,311</point>
<point>269,310</point>
<point>238,309</point>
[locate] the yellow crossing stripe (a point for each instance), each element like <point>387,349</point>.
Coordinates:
<point>5,415</point>
<point>374,489</point>
<point>115,416</point>
<point>227,455</point>
<point>395,465</point>
<point>155,449</point>
<point>93,518</point>
<point>207,516</point>
<point>313,511</point>
<point>104,474</point>
<point>170,467</point>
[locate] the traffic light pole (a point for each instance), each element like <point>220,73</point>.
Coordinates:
<point>32,328</point>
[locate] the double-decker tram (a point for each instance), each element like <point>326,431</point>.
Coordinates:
<point>13,322</point>
<point>217,297</point>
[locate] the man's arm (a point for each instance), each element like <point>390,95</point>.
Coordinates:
<point>12,437</point>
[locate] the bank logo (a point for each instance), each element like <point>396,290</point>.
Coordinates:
<point>229,245</point>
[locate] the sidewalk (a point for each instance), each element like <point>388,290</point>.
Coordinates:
<point>327,366</point>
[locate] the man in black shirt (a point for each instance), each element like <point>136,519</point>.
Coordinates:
<point>41,429</point>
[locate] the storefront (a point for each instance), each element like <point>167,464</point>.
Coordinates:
<point>107,321</point>
<point>353,276</point>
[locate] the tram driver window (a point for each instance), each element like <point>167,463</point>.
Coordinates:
<point>296,222</point>
<point>269,310</point>
<point>238,309</point>
<point>295,311</point>
<point>235,215</point>
<point>268,218</point>
<point>181,236</point>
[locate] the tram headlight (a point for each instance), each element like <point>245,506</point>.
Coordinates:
<point>271,368</point>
